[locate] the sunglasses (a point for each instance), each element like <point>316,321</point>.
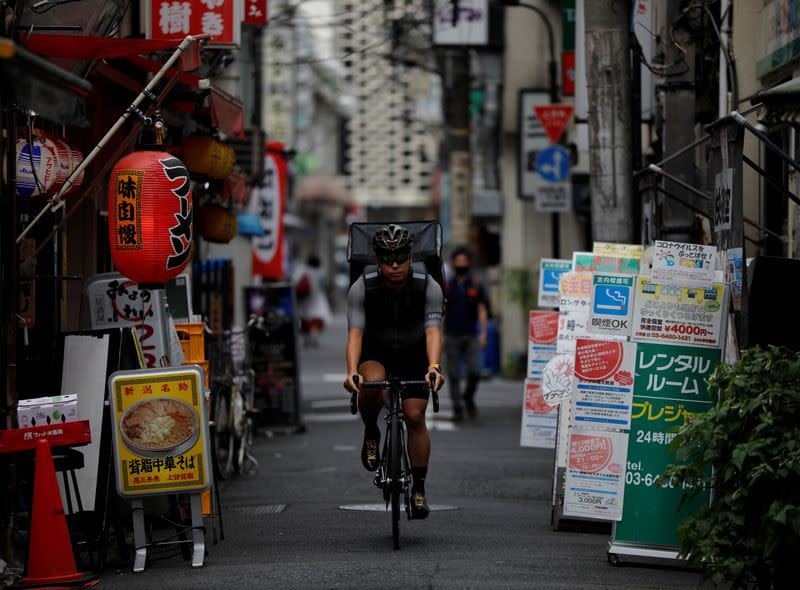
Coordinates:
<point>392,257</point>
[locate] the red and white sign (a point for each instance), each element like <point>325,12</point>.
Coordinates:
<point>568,73</point>
<point>554,119</point>
<point>538,418</point>
<point>255,12</point>
<point>589,453</point>
<point>543,327</point>
<point>602,387</point>
<point>557,378</point>
<point>597,360</point>
<point>595,478</point>
<point>177,18</point>
<point>269,204</point>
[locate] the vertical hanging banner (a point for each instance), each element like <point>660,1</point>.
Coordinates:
<point>669,389</point>
<point>255,12</point>
<point>595,478</point>
<point>174,20</point>
<point>269,203</point>
<point>602,391</point>
<point>550,271</point>
<point>538,418</point>
<point>542,335</point>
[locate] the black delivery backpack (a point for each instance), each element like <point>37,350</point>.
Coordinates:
<point>427,247</point>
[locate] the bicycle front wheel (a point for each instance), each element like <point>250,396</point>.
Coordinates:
<point>395,474</point>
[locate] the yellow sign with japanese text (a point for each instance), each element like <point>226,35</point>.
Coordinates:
<point>617,250</point>
<point>161,442</point>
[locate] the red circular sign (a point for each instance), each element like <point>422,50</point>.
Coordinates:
<point>597,360</point>
<point>543,327</point>
<point>589,453</point>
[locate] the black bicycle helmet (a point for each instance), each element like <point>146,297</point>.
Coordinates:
<point>392,237</point>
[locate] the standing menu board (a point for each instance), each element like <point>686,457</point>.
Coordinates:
<point>161,442</point>
<point>669,388</point>
<point>275,356</point>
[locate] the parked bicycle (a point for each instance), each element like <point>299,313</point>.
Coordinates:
<point>232,401</point>
<point>393,476</point>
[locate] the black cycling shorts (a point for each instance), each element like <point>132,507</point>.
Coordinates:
<point>408,364</point>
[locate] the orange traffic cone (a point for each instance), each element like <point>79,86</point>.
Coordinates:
<point>50,558</point>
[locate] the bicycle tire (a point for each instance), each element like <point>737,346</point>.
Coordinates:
<point>225,443</point>
<point>395,473</point>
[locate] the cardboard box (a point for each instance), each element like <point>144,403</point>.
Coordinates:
<point>47,410</point>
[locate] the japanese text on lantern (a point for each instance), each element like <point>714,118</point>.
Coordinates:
<point>127,209</point>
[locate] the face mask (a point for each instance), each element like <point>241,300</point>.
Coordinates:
<point>462,270</point>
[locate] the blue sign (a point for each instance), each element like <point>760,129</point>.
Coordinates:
<point>550,280</point>
<point>552,163</point>
<point>612,299</point>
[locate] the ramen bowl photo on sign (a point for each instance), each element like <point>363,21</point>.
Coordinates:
<point>159,427</point>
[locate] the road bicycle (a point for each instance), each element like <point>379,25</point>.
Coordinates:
<point>393,476</point>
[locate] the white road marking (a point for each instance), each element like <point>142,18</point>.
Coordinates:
<point>330,417</point>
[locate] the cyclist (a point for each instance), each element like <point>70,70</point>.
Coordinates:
<point>394,321</point>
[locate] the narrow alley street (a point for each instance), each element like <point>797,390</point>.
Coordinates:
<point>498,535</point>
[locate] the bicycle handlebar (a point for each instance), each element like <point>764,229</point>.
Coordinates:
<point>387,383</point>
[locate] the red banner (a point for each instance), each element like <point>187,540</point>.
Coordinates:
<point>269,204</point>
<point>255,12</point>
<point>568,73</point>
<point>177,18</point>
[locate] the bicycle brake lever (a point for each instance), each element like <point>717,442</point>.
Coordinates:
<point>434,393</point>
<point>354,398</point>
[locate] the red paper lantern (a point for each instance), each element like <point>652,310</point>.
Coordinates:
<point>150,216</point>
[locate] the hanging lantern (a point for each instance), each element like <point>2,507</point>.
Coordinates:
<point>216,224</point>
<point>208,156</point>
<point>150,216</point>
<point>36,167</point>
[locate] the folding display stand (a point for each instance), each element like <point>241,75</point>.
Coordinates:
<point>140,534</point>
<point>51,561</point>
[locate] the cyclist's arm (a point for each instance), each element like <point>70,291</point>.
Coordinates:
<point>434,303</point>
<point>356,320</point>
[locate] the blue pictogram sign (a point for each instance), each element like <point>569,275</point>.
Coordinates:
<point>612,299</point>
<point>552,163</point>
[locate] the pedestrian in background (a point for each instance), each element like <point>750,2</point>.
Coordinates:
<point>465,331</point>
<point>312,303</point>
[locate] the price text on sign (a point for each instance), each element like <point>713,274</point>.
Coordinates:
<point>595,478</point>
<point>682,315</point>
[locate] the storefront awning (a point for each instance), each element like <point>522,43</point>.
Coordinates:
<point>226,110</point>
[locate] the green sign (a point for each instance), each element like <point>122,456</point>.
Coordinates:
<point>568,25</point>
<point>589,262</point>
<point>669,388</point>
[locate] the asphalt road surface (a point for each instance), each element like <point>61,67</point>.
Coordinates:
<point>285,528</point>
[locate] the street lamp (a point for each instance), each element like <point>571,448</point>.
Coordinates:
<point>552,68</point>
<point>555,225</point>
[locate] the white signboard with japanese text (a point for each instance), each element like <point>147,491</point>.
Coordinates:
<point>688,265</point>
<point>574,309</point>
<point>595,478</point>
<point>602,391</point>
<point>468,27</point>
<point>542,334</point>
<point>680,315</point>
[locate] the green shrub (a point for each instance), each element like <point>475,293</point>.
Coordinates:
<point>750,534</point>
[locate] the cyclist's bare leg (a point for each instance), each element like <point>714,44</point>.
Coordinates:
<point>419,442</point>
<point>370,400</point>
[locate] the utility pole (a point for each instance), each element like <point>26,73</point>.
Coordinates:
<point>609,82</point>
